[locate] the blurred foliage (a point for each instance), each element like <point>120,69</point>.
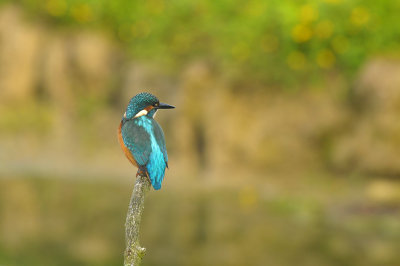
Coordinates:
<point>245,38</point>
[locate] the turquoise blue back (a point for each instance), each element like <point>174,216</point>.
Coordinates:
<point>144,138</point>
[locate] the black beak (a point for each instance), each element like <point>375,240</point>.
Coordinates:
<point>164,106</point>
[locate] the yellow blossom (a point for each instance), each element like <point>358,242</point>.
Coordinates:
<point>325,58</point>
<point>308,13</point>
<point>82,13</point>
<point>301,33</point>
<point>359,16</point>
<point>56,7</point>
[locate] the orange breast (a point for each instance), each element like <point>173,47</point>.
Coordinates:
<point>128,154</point>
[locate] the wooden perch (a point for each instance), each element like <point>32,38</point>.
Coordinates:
<point>134,253</point>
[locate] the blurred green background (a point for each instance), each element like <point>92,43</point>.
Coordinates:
<point>284,148</point>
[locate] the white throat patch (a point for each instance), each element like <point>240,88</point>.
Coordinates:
<point>141,113</point>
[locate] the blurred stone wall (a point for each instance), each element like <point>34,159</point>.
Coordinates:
<point>252,131</point>
<point>62,64</point>
<point>20,44</point>
<point>56,67</point>
<point>372,142</point>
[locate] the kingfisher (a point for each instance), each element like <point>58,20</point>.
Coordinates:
<point>142,138</point>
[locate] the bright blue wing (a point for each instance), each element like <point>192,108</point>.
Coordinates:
<point>145,139</point>
<point>159,135</point>
<point>157,161</point>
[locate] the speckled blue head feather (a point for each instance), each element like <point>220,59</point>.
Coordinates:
<point>139,102</point>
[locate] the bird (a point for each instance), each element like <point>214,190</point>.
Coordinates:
<point>142,138</point>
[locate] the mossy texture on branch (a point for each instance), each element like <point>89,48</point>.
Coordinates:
<point>133,252</point>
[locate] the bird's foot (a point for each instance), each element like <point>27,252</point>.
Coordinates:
<point>140,173</point>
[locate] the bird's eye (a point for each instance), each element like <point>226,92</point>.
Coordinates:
<point>156,104</point>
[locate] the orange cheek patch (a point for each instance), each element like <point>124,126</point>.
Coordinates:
<point>128,154</point>
<point>148,108</point>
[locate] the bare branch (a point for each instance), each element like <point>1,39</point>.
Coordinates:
<point>134,253</point>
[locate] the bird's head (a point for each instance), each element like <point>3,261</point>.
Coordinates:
<point>144,104</point>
